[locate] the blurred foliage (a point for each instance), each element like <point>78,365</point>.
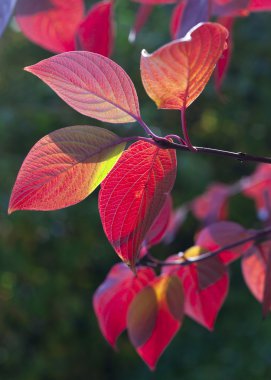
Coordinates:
<point>51,263</point>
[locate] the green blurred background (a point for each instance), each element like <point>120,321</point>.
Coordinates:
<point>51,263</point>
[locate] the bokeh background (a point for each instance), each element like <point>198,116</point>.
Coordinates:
<point>51,263</point>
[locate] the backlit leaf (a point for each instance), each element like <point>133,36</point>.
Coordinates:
<point>95,33</point>
<point>176,74</point>
<point>64,167</point>
<point>92,84</point>
<point>50,23</point>
<point>114,296</point>
<point>155,316</point>
<point>6,10</point>
<point>133,194</point>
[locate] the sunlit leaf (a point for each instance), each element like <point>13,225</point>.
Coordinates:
<point>64,167</point>
<point>133,194</point>
<point>92,84</point>
<point>155,316</point>
<point>114,296</point>
<point>50,23</point>
<point>176,74</point>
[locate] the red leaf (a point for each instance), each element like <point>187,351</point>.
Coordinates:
<point>64,167</point>
<point>50,23</point>
<point>258,187</point>
<point>222,234</point>
<point>155,316</point>
<point>176,19</point>
<point>133,194</point>
<point>176,74</point>
<point>224,61</point>
<point>202,305</point>
<point>6,9</point>
<point>256,267</point>
<point>142,16</point>
<point>212,205</point>
<point>260,5</point>
<point>92,84</point>
<point>95,33</point>
<point>114,296</point>
<point>223,8</point>
<point>159,226</point>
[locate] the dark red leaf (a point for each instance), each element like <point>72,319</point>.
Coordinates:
<point>176,19</point>
<point>114,296</point>
<point>95,33</point>
<point>133,194</point>
<point>155,316</point>
<point>212,205</point>
<point>224,61</point>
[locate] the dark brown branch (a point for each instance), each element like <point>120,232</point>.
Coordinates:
<point>150,260</point>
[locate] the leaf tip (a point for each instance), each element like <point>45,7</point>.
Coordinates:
<point>144,53</point>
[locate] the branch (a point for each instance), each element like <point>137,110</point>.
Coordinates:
<point>152,261</point>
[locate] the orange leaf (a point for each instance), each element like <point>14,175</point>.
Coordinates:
<point>176,74</point>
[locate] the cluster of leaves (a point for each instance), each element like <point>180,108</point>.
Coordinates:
<point>60,25</point>
<point>146,296</point>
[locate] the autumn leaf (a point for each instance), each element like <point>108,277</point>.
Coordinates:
<point>155,316</point>
<point>133,194</point>
<point>45,22</point>
<point>176,74</point>
<point>91,84</point>
<point>64,167</point>
<point>114,296</point>
<point>95,32</point>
